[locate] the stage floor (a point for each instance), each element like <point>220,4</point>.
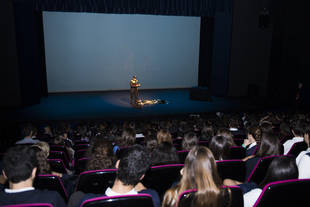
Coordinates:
<point>115,105</point>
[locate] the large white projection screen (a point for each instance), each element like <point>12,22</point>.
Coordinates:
<point>99,52</point>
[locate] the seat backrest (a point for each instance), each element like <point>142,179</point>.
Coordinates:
<point>233,169</point>
<point>96,181</point>
<point>57,165</point>
<point>138,200</point>
<point>297,148</point>
<point>31,205</point>
<point>59,155</point>
<point>60,148</point>
<point>203,143</point>
<point>185,199</point>
<point>237,152</point>
<point>80,165</point>
<point>259,171</point>
<point>80,146</point>
<point>50,182</point>
<point>284,193</point>
<point>161,178</point>
<point>182,155</point>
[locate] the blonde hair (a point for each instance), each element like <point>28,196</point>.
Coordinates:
<point>199,172</point>
<point>164,135</point>
<point>42,152</point>
<point>44,147</point>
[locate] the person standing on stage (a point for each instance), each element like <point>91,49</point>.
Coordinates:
<point>134,84</point>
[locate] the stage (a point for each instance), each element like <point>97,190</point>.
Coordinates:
<point>116,105</point>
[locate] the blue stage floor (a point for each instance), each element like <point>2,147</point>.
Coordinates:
<point>115,105</point>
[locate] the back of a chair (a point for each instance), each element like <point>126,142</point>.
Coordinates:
<point>203,143</point>
<point>237,152</point>
<point>182,155</point>
<point>57,165</point>
<point>96,181</point>
<point>59,155</point>
<point>258,173</point>
<point>31,205</point>
<point>233,169</point>
<point>80,165</point>
<point>60,148</point>
<point>297,148</point>
<point>50,182</point>
<point>80,154</point>
<point>186,198</point>
<point>138,200</point>
<point>77,147</point>
<point>161,178</point>
<point>284,193</point>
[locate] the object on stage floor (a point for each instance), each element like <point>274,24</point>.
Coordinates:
<point>140,103</point>
<point>200,93</point>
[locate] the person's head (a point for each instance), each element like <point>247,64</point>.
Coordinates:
<point>189,141</point>
<point>20,164</point>
<point>27,130</point>
<point>41,150</point>
<point>134,77</point>
<point>166,153</point>
<point>128,137</point>
<point>199,172</point>
<point>281,168</point>
<point>150,143</point>
<point>219,146</point>
<point>132,165</point>
<point>266,127</point>
<point>269,145</point>
<point>227,134</point>
<point>297,128</point>
<point>254,134</point>
<point>207,132</point>
<point>164,135</point>
<point>100,155</point>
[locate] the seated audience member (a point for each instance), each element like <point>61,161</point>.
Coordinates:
<point>101,155</point>
<point>164,153</point>
<point>20,166</point>
<point>281,168</point>
<point>297,130</point>
<point>127,139</point>
<point>150,143</point>
<point>199,172</point>
<point>219,146</point>
<point>207,132</point>
<point>227,134</point>
<point>254,136</point>
<point>189,141</point>
<point>131,168</point>
<point>266,126</point>
<point>47,134</point>
<point>28,132</point>
<point>164,135</point>
<point>303,159</point>
<point>234,126</point>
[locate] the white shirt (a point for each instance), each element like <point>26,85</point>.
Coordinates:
<point>303,164</point>
<point>110,192</point>
<point>289,143</point>
<point>18,190</point>
<point>27,141</point>
<point>252,145</point>
<point>250,197</point>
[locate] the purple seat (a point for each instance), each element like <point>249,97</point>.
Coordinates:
<point>138,200</point>
<point>81,146</point>
<point>161,178</point>
<point>60,148</point>
<point>284,193</point>
<point>60,155</point>
<point>297,148</point>
<point>57,165</point>
<point>237,152</point>
<point>80,165</point>
<point>233,169</point>
<point>80,154</point>
<point>96,181</point>
<point>31,205</point>
<point>182,155</point>
<point>50,182</point>
<point>259,171</point>
<point>186,198</point>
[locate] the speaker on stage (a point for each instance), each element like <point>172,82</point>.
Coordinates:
<point>200,93</point>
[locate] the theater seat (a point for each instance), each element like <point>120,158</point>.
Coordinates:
<point>161,178</point>
<point>297,148</point>
<point>50,182</point>
<point>95,181</point>
<point>31,205</point>
<point>57,165</point>
<point>237,152</point>
<point>185,199</point>
<point>139,200</point>
<point>233,169</point>
<point>80,165</point>
<point>285,193</point>
<point>182,155</point>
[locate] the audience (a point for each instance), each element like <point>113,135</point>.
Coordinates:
<point>199,173</point>
<point>189,141</point>
<point>164,153</point>
<point>297,131</point>
<point>28,132</point>
<point>19,167</point>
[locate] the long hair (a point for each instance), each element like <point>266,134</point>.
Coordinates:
<point>128,138</point>
<point>269,145</point>
<point>227,134</point>
<point>199,172</point>
<point>219,146</point>
<point>189,141</point>
<point>42,152</point>
<point>164,135</point>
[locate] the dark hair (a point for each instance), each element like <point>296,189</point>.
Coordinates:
<point>297,127</point>
<point>18,163</point>
<point>189,141</point>
<point>100,155</point>
<point>150,143</point>
<point>269,145</point>
<point>128,137</point>
<point>27,130</point>
<point>266,127</point>
<point>164,153</point>
<point>281,168</point>
<point>219,146</point>
<point>207,133</point>
<point>256,132</point>
<point>134,162</point>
